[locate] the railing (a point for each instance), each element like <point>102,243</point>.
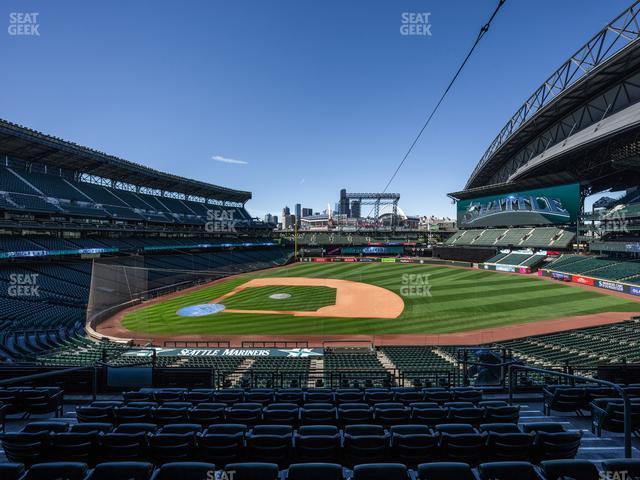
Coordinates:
<point>53,374</point>
<point>511,368</point>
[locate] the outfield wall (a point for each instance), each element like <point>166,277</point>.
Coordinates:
<point>421,261</point>
<point>610,285</point>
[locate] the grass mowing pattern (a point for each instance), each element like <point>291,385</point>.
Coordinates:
<point>460,300</point>
<point>303,299</point>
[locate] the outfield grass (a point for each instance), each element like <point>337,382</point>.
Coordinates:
<point>460,300</point>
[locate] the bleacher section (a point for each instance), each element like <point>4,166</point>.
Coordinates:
<point>584,348</point>
<point>627,271</point>
<point>517,259</point>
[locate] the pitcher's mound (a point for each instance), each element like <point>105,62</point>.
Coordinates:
<point>280,296</point>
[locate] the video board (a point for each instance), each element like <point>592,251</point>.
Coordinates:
<point>543,206</point>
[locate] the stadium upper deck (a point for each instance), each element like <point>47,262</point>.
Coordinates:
<point>580,125</point>
<point>49,183</point>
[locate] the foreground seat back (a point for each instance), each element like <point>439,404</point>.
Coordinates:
<point>380,471</point>
<point>575,469</point>
<point>445,471</point>
<point>507,471</point>
<point>11,471</point>
<point>121,471</point>
<point>54,470</point>
<point>252,471</point>
<point>23,447</point>
<point>562,445</point>
<point>185,471</point>
<point>315,471</point>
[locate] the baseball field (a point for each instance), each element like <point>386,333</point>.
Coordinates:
<point>371,299</point>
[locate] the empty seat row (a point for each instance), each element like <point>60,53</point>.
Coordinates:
<point>225,443</point>
<point>390,413</point>
<point>299,396</point>
<point>548,470</point>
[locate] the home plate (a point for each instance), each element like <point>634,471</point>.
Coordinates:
<point>280,296</point>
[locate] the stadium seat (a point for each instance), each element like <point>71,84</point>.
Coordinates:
<point>318,414</point>
<point>99,427</point>
<point>565,400</point>
<point>502,414</point>
<point>207,413</point>
<point>315,471</point>
<point>181,428</point>
<point>74,447</point>
<point>281,413</point>
<point>380,471</point>
<point>391,413</point>
<point>11,471</point>
<point>463,447</point>
<point>575,469</point>
<point>136,428</point>
<point>274,446</point>
<point>413,444</point>
<point>245,413</point>
<point>121,471</point>
<point>500,428</point>
<point>253,471</point>
<point>317,443</point>
<point>364,444</point>
<point>23,447</point>
<point>95,414</point>
<point>121,447</point>
<point>220,445</point>
<point>185,471</point>
<point>48,471</point>
<point>506,447</point>
<point>172,447</point>
<point>46,426</point>
<point>618,465</point>
<point>556,446</point>
<point>428,413</point>
<point>445,471</point>
<point>508,471</point>
<point>354,413</point>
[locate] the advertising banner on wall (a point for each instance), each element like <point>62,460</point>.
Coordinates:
<point>543,206</point>
<point>229,352</point>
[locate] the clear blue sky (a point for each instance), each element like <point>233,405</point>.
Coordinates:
<point>312,95</point>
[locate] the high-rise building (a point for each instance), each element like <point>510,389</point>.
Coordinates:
<point>355,208</point>
<point>343,204</point>
<point>298,213</point>
<point>307,212</point>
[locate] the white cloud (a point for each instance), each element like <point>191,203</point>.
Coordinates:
<point>220,158</point>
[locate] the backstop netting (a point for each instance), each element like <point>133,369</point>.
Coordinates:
<point>119,283</point>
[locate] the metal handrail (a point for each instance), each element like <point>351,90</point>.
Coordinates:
<point>513,366</point>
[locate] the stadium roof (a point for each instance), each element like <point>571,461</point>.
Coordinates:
<point>604,60</point>
<point>33,146</point>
